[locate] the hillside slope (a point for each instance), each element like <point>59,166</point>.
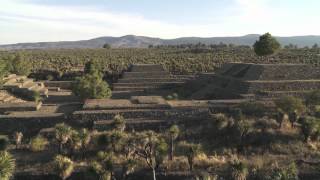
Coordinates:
<point>131,41</point>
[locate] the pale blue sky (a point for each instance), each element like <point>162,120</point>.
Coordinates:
<point>56,20</point>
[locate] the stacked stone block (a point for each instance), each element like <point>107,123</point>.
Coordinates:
<point>145,79</point>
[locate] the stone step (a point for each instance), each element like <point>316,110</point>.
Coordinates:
<point>274,94</point>
<point>30,86</point>
<point>138,124</point>
<point>6,98</point>
<point>85,116</point>
<point>147,84</point>
<point>10,76</point>
<point>11,108</point>
<point>151,80</point>
<point>21,84</point>
<point>133,88</point>
<point>126,94</point>
<point>146,75</point>
<point>248,96</point>
<point>14,78</point>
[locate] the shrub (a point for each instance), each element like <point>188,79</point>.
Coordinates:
<point>91,86</point>
<point>36,96</point>
<point>20,66</point>
<point>266,45</point>
<point>310,127</point>
<point>288,173</point>
<point>63,166</point>
<point>38,144</point>
<point>119,123</point>
<point>7,165</point>
<point>253,108</point>
<point>313,98</point>
<point>220,121</point>
<point>237,114</point>
<point>239,170</point>
<point>189,150</point>
<point>289,104</point>
<point>4,142</point>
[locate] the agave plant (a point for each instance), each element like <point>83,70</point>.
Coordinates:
<point>7,165</point>
<point>63,133</point>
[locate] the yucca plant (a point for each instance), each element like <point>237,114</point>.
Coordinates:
<point>119,123</point>
<point>239,170</point>
<point>63,166</point>
<point>63,133</point>
<point>38,143</point>
<point>7,165</point>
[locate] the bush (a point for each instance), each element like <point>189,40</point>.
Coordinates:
<point>310,127</point>
<point>38,144</point>
<point>36,96</point>
<point>92,86</point>
<point>20,66</point>
<point>7,165</point>
<point>220,121</point>
<point>119,123</point>
<point>289,104</point>
<point>313,98</point>
<point>239,170</point>
<point>4,142</point>
<point>287,173</point>
<point>253,108</point>
<point>266,45</point>
<point>63,166</point>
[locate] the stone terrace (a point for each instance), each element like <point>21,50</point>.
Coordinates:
<point>146,79</point>
<point>23,86</point>
<point>240,80</point>
<point>140,113</point>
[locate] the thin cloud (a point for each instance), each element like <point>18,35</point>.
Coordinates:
<point>25,22</point>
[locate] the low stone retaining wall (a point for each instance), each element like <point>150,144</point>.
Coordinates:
<point>28,125</point>
<point>25,106</point>
<point>87,117</point>
<point>61,84</point>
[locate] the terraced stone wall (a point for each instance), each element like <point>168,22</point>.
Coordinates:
<point>29,126</point>
<point>86,117</point>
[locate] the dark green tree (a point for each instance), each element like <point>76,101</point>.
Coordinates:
<point>92,85</point>
<point>92,67</point>
<point>266,45</point>
<point>18,65</point>
<point>107,46</point>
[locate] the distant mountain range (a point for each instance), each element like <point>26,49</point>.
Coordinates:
<point>131,41</point>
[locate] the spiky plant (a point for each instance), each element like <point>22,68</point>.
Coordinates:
<point>63,133</point>
<point>38,143</point>
<point>7,165</point>
<point>239,170</point>
<point>119,123</point>
<point>63,166</point>
<point>173,135</point>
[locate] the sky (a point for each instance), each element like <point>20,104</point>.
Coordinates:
<point>67,20</point>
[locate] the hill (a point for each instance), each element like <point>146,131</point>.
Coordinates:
<point>131,41</point>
